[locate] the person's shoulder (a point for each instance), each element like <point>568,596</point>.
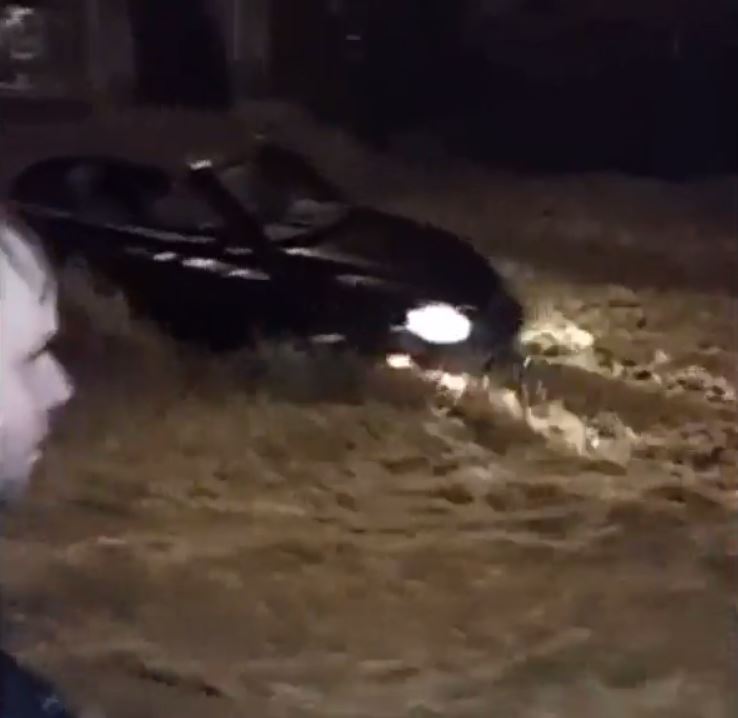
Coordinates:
<point>24,694</point>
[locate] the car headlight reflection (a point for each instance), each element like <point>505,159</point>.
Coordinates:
<point>438,324</point>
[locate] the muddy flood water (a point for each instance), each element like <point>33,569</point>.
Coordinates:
<point>289,536</point>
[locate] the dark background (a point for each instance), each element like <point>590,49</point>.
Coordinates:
<point>637,86</point>
<point>648,87</point>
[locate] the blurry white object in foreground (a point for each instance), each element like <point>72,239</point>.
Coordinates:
<point>438,324</point>
<point>32,383</point>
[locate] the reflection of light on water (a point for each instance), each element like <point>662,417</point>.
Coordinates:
<point>164,256</point>
<point>399,361</point>
<point>327,338</point>
<point>556,331</point>
<point>455,384</point>
<point>550,420</point>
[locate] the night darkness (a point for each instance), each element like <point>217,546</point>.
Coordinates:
<point>553,85</point>
<point>548,85</point>
<point>543,84</point>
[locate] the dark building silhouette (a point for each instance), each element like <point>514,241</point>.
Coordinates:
<point>180,54</point>
<point>538,84</point>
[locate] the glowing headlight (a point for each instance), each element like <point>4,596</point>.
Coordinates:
<point>438,324</point>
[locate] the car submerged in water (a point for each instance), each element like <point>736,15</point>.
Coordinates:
<point>221,254</point>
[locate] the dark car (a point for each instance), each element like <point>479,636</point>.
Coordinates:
<point>220,254</point>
